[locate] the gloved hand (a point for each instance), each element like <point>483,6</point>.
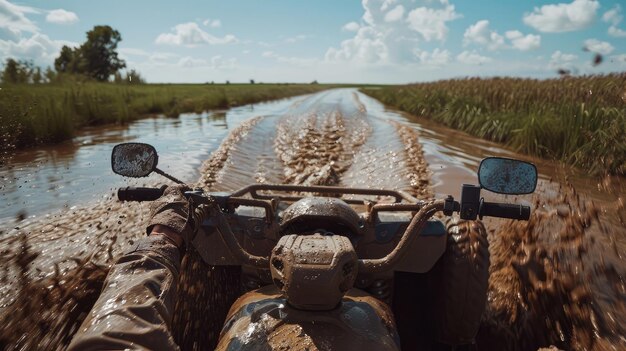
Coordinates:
<point>172,210</point>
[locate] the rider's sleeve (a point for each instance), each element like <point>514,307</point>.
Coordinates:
<point>135,308</point>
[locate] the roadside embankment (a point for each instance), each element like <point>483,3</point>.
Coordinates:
<point>40,114</point>
<point>577,120</point>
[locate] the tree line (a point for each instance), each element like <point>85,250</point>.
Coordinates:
<point>96,59</point>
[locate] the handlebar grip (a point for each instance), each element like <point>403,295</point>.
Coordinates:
<point>512,211</point>
<point>139,194</point>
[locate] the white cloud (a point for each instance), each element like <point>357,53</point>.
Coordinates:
<point>472,58</point>
<point>523,42</point>
<point>189,61</point>
<point>61,16</point>
<point>386,4</point>
<point>152,58</point>
<point>297,38</point>
<point>17,44</point>
<point>162,57</point>
<point>619,58</point>
<point>388,35</point>
<point>13,20</point>
<point>563,17</point>
<point>216,62</point>
<point>436,58</point>
<point>431,23</point>
<point>213,23</point>
<point>560,60</point>
<point>294,61</point>
<point>351,27</point>
<point>395,15</point>
<point>368,46</point>
<point>616,32</point>
<point>562,57</point>
<point>597,46</point>
<point>191,35</point>
<point>479,33</point>
<point>39,48</point>
<point>133,52</point>
<point>613,15</point>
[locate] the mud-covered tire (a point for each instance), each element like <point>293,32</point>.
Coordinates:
<point>460,282</point>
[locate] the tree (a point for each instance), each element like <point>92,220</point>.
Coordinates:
<point>96,57</point>
<point>18,71</point>
<point>25,71</point>
<point>69,60</point>
<point>117,78</point>
<point>50,75</point>
<point>133,77</point>
<point>37,75</point>
<point>10,73</point>
<point>99,53</point>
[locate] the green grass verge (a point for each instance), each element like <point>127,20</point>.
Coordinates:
<point>48,113</point>
<point>578,120</point>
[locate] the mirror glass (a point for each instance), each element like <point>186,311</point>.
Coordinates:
<point>507,176</point>
<point>134,159</point>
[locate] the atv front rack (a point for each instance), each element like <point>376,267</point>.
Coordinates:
<point>259,191</point>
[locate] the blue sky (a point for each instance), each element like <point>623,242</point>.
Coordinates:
<point>369,41</point>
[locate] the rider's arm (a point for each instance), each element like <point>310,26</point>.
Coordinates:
<point>135,308</point>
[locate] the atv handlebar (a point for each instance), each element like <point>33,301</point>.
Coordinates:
<point>139,194</point>
<point>415,226</point>
<point>511,211</point>
<point>211,207</point>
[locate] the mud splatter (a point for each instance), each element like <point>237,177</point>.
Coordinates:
<point>47,312</point>
<point>553,280</point>
<point>556,280</point>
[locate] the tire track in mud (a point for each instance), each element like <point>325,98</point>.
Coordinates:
<point>315,146</point>
<point>342,144</point>
<point>246,156</point>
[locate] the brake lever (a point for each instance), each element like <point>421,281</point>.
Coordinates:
<point>450,206</point>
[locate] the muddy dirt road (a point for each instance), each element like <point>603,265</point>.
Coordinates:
<point>556,280</point>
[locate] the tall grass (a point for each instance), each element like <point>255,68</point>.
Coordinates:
<point>578,120</point>
<point>36,114</point>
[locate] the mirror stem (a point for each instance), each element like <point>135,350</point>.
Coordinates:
<point>158,171</point>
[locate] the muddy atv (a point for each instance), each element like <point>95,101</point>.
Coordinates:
<point>332,268</point>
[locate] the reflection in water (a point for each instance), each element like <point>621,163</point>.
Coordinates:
<point>49,178</point>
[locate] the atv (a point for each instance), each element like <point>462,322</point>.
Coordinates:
<point>333,268</point>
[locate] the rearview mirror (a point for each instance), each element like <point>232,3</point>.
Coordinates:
<point>507,176</point>
<point>134,159</point>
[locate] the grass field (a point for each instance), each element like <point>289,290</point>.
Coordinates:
<point>47,113</point>
<point>578,120</point>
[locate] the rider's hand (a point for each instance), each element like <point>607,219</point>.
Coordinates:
<point>169,216</point>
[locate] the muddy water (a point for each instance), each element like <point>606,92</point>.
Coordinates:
<point>44,180</point>
<point>557,280</point>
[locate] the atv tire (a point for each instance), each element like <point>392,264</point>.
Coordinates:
<point>443,307</point>
<point>460,282</point>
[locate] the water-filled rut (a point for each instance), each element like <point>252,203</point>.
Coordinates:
<point>555,280</point>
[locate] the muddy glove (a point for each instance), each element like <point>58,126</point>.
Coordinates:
<point>172,210</point>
